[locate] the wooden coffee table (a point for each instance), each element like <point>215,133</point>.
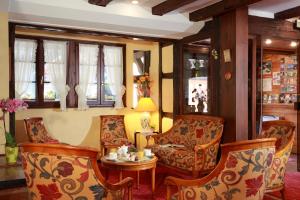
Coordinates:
<point>132,166</point>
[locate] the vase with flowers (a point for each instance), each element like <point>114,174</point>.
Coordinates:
<point>143,85</point>
<point>10,106</point>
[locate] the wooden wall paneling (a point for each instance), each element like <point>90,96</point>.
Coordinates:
<point>287,14</point>
<point>298,111</point>
<point>214,68</point>
<point>233,93</point>
<point>219,8</point>
<point>90,33</point>
<point>272,28</point>
<point>252,97</point>
<point>177,80</point>
<point>11,75</point>
<point>160,88</point>
<point>72,79</point>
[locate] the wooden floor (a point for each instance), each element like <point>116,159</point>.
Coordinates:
<point>20,193</point>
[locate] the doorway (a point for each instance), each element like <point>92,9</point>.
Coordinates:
<point>274,80</point>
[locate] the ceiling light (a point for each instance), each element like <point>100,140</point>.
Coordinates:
<point>293,44</point>
<point>135,2</point>
<point>268,41</point>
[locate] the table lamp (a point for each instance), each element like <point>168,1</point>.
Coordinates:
<point>145,105</point>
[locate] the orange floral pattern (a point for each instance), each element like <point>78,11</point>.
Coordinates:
<point>285,135</point>
<point>113,130</point>
<point>243,177</point>
<point>52,177</point>
<point>37,132</point>
<point>192,133</point>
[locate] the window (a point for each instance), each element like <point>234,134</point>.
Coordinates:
<point>25,69</point>
<point>52,73</point>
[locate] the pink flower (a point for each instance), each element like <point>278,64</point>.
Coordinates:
<point>12,105</point>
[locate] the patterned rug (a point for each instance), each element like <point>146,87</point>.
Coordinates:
<point>144,192</point>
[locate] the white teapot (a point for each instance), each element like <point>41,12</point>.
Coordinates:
<point>123,150</point>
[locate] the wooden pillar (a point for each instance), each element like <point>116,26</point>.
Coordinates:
<point>233,93</point>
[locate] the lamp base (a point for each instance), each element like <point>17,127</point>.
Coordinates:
<point>145,122</point>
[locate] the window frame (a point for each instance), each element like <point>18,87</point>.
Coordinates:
<point>72,72</point>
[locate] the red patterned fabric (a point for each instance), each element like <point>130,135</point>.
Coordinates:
<point>199,137</point>
<point>55,177</point>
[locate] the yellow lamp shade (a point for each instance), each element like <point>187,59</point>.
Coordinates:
<point>145,104</point>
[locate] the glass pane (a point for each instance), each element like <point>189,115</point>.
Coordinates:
<point>50,92</point>
<point>196,63</point>
<point>47,77</point>
<point>135,96</point>
<point>91,93</point>
<point>141,62</point>
<point>30,92</point>
<point>108,92</point>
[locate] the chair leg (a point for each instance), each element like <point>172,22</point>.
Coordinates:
<point>282,194</point>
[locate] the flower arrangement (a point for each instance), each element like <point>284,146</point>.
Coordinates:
<point>10,106</point>
<point>143,85</point>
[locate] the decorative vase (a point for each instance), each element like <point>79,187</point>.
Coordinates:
<point>11,154</point>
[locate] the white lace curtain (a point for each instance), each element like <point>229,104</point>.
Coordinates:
<point>25,56</point>
<point>55,59</point>
<point>88,59</point>
<point>113,70</point>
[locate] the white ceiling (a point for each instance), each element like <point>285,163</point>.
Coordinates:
<point>120,16</point>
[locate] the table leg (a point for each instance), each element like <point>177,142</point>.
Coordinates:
<point>138,180</point>
<point>121,175</point>
<point>153,180</point>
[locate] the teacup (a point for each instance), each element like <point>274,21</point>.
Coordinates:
<point>147,152</point>
<point>113,155</point>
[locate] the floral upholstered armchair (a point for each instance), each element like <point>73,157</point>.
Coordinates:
<point>191,144</point>
<point>112,132</point>
<point>56,171</point>
<point>240,175</point>
<point>284,131</point>
<point>36,131</point>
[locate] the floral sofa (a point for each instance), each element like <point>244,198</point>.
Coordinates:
<point>191,144</point>
<point>56,171</point>
<point>241,174</point>
<point>284,131</point>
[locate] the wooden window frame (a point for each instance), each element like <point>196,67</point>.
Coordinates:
<point>72,73</point>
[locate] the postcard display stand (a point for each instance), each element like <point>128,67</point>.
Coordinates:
<point>279,75</point>
<point>279,79</point>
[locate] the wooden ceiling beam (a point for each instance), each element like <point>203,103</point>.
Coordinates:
<point>100,2</point>
<point>219,8</point>
<point>287,14</point>
<point>169,5</point>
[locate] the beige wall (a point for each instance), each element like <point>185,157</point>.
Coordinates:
<point>167,86</point>
<point>82,127</point>
<point>4,68</point>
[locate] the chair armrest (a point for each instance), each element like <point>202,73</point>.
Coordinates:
<point>205,154</point>
<point>159,136</point>
<point>179,183</point>
<point>125,183</point>
<point>200,147</point>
